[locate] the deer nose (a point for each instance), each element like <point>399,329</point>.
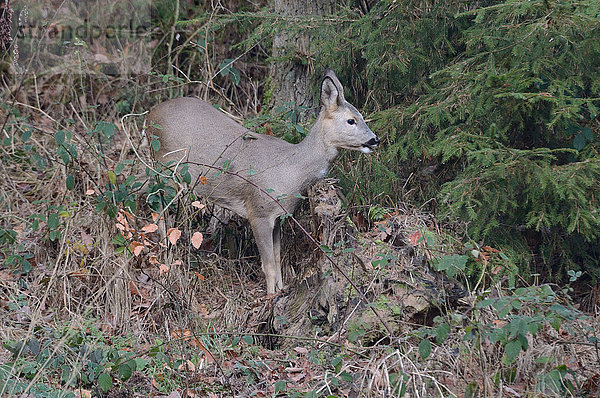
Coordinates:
<point>372,142</point>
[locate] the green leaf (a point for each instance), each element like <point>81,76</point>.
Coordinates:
<point>119,240</point>
<point>105,382</point>
<point>579,142</point>
<point>441,332</point>
<point>326,249</point>
<point>59,137</point>
<point>119,168</point>
<point>425,348</point>
<point>248,339</point>
<point>280,386</point>
<point>106,128</point>
<point>64,155</point>
<point>26,135</point>
<point>451,264</point>
<point>53,221</point>
<point>126,370</point>
<point>555,322</point>
<point>129,181</point>
<point>512,350</point>
<point>347,377</point>
<point>155,145</point>
<point>70,182</point>
<point>112,177</point>
<point>337,363</point>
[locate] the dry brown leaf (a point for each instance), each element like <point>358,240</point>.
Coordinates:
<point>191,393</point>
<point>197,239</point>
<point>198,205</point>
<point>123,222</point>
<point>153,259</point>
<point>163,269</point>
<point>301,350</point>
<point>136,248</point>
<point>80,273</point>
<point>149,228</point>
<point>174,234</point>
<point>203,180</point>
<point>199,275</point>
<point>83,394</point>
<point>187,366</point>
<point>90,192</point>
<point>155,217</point>
<point>414,238</point>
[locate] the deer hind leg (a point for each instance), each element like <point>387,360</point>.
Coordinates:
<point>277,253</point>
<point>263,230</point>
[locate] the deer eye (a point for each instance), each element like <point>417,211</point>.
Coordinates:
<point>351,121</point>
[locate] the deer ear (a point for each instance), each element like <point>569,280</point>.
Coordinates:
<point>332,92</point>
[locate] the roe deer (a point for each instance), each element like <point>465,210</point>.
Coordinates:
<point>193,132</point>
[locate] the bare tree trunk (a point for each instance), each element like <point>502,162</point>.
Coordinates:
<point>290,79</point>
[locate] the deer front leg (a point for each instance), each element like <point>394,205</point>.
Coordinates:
<point>277,253</point>
<point>262,228</point>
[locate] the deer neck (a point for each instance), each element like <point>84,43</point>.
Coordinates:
<point>315,154</point>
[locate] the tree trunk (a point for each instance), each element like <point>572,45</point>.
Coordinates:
<point>291,78</point>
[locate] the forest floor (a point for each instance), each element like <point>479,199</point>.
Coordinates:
<point>93,303</point>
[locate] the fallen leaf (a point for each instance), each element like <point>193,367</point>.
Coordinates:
<point>149,228</point>
<point>83,394</point>
<point>153,259</point>
<point>80,273</point>
<point>414,238</point>
<point>155,217</point>
<point>163,269</point>
<point>90,192</point>
<point>198,205</point>
<point>203,180</point>
<point>174,234</point>
<point>187,366</point>
<point>268,130</point>
<point>197,239</point>
<point>136,248</point>
<point>199,275</point>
